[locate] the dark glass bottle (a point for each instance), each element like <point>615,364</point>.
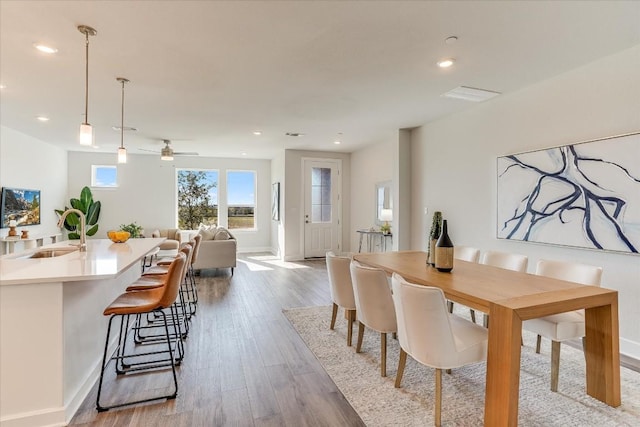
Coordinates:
<point>444,250</point>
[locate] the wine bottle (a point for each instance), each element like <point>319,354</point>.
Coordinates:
<point>444,250</point>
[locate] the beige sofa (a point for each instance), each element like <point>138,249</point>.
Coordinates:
<point>216,251</point>
<point>173,238</point>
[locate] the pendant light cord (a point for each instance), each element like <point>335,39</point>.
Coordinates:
<point>122,117</point>
<point>86,81</point>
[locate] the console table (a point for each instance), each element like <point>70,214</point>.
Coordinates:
<point>10,242</point>
<point>372,236</point>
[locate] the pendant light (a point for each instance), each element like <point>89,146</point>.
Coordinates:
<point>86,131</point>
<point>122,152</point>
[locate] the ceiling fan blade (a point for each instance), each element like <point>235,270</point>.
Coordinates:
<point>150,151</point>
<point>185,153</point>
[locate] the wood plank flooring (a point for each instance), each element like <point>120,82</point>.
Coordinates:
<point>244,364</point>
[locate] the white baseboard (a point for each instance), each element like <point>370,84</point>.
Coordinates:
<point>630,348</point>
<point>51,417</point>
<point>296,257</point>
<point>255,249</point>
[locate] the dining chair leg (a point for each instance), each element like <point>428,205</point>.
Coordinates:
<point>584,347</point>
<point>360,336</point>
<point>334,314</point>
<point>401,362</point>
<point>485,320</point>
<point>555,364</point>
<point>450,306</point>
<point>438,397</point>
<point>473,315</point>
<point>383,354</point>
<point>538,340</point>
<point>351,316</point>
<point>395,335</point>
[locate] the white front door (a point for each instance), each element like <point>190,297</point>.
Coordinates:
<point>321,207</point>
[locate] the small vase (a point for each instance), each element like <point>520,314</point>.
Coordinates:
<point>444,250</point>
<point>432,252</point>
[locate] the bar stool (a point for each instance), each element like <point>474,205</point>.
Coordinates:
<point>190,288</point>
<point>141,302</point>
<point>156,278</point>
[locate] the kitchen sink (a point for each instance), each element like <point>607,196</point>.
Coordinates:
<point>52,253</point>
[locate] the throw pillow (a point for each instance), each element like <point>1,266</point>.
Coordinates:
<point>207,232</point>
<point>222,234</point>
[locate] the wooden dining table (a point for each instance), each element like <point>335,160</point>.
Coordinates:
<point>510,298</point>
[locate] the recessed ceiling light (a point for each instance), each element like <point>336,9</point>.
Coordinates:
<point>338,139</point>
<point>446,63</point>
<point>244,154</point>
<point>43,118</point>
<point>257,132</point>
<point>451,40</point>
<point>3,86</point>
<point>45,49</point>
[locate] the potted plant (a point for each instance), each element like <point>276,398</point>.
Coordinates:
<point>134,229</point>
<point>432,238</point>
<point>91,210</point>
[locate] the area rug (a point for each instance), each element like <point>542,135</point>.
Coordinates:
<point>378,403</point>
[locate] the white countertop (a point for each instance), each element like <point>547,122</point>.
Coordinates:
<point>103,259</point>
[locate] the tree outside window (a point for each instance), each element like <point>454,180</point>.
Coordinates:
<point>197,198</point>
<point>241,199</point>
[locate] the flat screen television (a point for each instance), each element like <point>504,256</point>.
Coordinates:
<point>20,205</point>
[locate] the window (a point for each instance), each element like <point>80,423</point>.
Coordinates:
<point>320,195</point>
<point>197,198</point>
<point>104,176</point>
<point>241,199</point>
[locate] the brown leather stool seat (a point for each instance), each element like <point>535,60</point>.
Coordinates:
<point>141,302</point>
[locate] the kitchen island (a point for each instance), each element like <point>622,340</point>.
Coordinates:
<point>52,329</point>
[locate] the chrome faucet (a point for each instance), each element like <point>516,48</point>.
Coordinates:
<point>83,222</point>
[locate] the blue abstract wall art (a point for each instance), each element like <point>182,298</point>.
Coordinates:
<point>585,195</point>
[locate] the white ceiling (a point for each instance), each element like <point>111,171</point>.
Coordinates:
<point>206,74</point>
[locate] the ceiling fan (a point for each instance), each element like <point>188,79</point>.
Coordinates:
<point>167,152</point>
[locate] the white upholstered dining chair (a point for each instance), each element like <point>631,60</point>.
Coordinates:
<point>341,290</point>
<point>563,326</point>
<point>374,306</point>
<point>432,336</point>
<point>508,261</point>
<point>465,253</point>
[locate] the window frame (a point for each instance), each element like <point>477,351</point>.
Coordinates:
<point>94,180</point>
<point>177,191</point>
<point>255,199</point>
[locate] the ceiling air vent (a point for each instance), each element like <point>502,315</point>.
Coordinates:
<point>294,134</point>
<point>470,94</point>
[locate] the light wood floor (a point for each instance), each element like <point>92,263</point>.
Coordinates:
<point>244,365</point>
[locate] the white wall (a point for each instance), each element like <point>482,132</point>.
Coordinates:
<point>277,227</point>
<point>454,164</point>
<point>293,203</point>
<point>370,165</point>
<point>26,162</point>
<point>147,192</point>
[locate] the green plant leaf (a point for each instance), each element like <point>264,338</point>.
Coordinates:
<point>93,213</point>
<point>77,204</point>
<point>73,219</point>
<point>92,230</point>
<point>86,197</point>
<point>74,236</point>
